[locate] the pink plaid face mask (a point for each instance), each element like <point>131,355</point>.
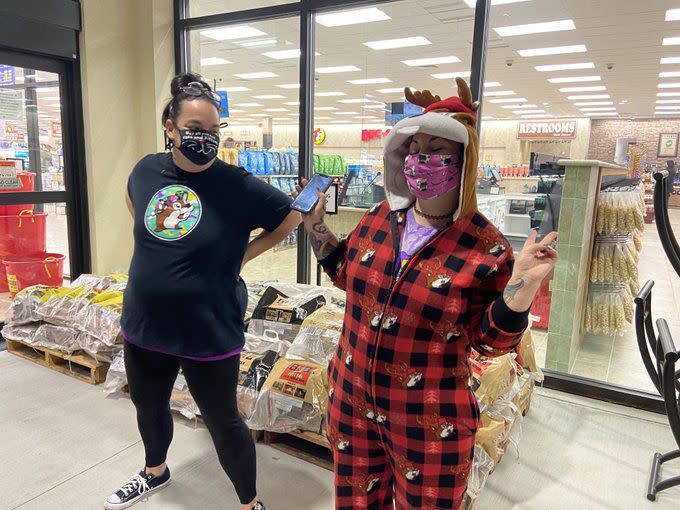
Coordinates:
<point>432,175</point>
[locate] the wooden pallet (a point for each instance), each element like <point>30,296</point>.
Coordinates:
<point>77,365</point>
<point>307,446</point>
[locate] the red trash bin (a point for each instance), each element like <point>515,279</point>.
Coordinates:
<point>27,184</point>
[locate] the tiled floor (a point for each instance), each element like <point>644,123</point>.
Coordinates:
<point>70,446</point>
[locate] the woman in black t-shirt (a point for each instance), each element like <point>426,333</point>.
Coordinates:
<point>185,301</point>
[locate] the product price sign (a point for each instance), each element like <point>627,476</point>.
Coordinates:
<point>332,199</point>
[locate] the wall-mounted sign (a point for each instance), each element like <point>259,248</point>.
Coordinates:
<point>55,128</point>
<point>7,75</point>
<point>224,104</point>
<point>11,104</point>
<point>319,136</point>
<point>372,134</point>
<point>547,130</point>
<point>668,145</point>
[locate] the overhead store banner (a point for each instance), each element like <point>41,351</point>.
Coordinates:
<point>547,130</point>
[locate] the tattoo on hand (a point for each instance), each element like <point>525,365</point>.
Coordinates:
<point>320,228</point>
<point>322,239</point>
<point>511,290</point>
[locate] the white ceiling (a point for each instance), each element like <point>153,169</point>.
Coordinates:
<point>625,33</point>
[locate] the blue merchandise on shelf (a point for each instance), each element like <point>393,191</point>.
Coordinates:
<point>268,160</point>
<point>276,159</point>
<point>293,163</point>
<point>243,159</point>
<point>285,164</point>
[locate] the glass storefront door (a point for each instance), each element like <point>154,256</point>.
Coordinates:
<point>33,165</point>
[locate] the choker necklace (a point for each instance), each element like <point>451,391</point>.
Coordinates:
<point>431,217</point>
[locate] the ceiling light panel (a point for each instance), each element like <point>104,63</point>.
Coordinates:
<point>536,28</point>
<point>329,94</point>
<point>599,109</point>
<point>369,81</point>
<point>352,17</point>
<point>672,85</point>
<point>292,103</point>
<point>670,60</point>
<point>431,61</point>
<point>537,116</point>
<point>276,110</point>
<point>554,50</point>
<point>671,41</point>
<point>231,33</point>
<point>588,96</point>
<point>344,113</point>
<point>666,113</point>
<point>522,106</point>
<point>257,76</point>
<point>575,79</point>
<point>597,88</point>
<point>564,67</point>
<point>337,69</point>
<point>233,89</point>
<point>258,43</point>
<point>490,84</point>
<point>214,61</point>
<point>396,90</point>
<point>473,3</point>
<point>449,76</point>
<point>594,103</point>
<point>667,94</point>
<point>667,101</point>
<point>350,101</point>
<point>602,114</point>
<point>513,100</point>
<point>246,105</point>
<point>289,86</point>
<point>404,42</point>
<point>668,107</point>
<point>673,15</point>
<point>270,96</point>
<point>500,93</point>
<point>325,108</point>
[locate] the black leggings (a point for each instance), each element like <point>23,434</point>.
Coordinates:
<point>151,376</point>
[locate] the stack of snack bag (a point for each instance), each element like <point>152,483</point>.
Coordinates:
<point>503,386</point>
<point>284,306</point>
<point>257,360</point>
<point>69,319</point>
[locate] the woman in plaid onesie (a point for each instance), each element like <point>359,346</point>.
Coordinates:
<point>427,277</point>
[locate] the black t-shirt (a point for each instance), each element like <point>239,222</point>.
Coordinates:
<point>185,296</point>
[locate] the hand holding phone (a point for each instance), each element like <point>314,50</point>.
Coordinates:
<point>311,192</point>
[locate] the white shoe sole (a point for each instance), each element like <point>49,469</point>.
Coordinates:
<point>128,504</point>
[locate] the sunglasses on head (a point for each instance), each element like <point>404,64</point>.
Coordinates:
<point>197,89</point>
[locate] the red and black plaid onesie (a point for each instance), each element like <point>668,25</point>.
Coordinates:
<point>402,417</point>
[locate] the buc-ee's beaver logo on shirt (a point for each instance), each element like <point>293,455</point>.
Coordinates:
<point>173,213</point>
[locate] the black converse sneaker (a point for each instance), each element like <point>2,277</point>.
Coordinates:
<point>135,489</point>
<point>259,506</point>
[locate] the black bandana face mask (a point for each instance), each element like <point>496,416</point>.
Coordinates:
<point>199,146</point>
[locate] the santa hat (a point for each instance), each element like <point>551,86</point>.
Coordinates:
<point>454,119</point>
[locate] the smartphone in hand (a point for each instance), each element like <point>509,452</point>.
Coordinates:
<point>308,197</point>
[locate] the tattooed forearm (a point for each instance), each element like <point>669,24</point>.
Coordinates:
<point>322,239</point>
<point>511,289</point>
